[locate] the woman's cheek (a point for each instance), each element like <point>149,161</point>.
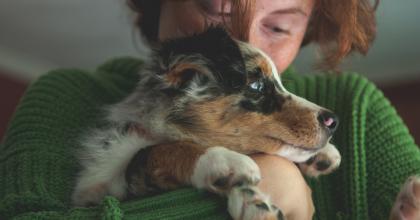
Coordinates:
<point>282,54</point>
<point>282,49</point>
<point>286,60</point>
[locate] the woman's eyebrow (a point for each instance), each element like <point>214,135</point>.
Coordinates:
<point>293,10</point>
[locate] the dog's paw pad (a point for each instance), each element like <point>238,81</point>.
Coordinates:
<point>248,202</point>
<point>323,165</point>
<point>327,160</point>
<point>317,165</point>
<point>407,205</point>
<point>222,182</point>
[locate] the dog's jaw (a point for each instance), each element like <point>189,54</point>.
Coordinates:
<point>295,154</point>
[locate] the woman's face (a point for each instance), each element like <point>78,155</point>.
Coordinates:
<point>277,27</point>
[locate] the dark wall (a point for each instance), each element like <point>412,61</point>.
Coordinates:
<point>406,99</point>
<point>10,92</point>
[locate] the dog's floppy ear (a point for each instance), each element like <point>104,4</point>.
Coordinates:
<point>212,53</point>
<point>180,73</point>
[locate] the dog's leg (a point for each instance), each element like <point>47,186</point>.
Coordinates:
<point>162,167</point>
<point>324,162</point>
<point>407,204</point>
<point>169,166</point>
<point>104,158</point>
<point>217,169</point>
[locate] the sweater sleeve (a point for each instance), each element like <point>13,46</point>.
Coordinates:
<point>37,157</point>
<point>378,153</point>
<point>382,155</point>
<point>391,154</point>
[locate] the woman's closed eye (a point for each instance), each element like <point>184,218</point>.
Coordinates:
<point>274,29</point>
<point>279,30</point>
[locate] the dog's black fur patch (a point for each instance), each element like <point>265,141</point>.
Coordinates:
<point>224,59</point>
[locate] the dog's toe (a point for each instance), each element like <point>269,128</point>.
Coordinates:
<point>327,160</point>
<point>248,203</point>
<point>221,169</point>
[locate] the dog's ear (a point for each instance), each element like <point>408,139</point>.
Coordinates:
<point>181,73</point>
<point>212,54</point>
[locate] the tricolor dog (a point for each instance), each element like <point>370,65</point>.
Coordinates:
<point>202,104</point>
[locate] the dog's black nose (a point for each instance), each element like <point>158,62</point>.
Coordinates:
<point>328,120</point>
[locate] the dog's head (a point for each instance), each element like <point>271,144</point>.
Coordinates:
<point>228,93</point>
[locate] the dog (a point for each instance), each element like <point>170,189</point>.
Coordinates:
<point>202,104</point>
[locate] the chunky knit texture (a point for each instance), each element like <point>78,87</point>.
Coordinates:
<point>38,166</point>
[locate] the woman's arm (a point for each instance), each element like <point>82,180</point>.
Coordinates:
<point>391,154</point>
<point>288,190</point>
<point>37,158</point>
<point>378,153</point>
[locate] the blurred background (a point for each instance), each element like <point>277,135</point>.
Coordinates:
<point>37,36</point>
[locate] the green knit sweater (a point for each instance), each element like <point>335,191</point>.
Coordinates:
<point>38,165</point>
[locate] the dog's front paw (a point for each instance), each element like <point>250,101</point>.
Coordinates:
<point>327,160</point>
<point>219,169</point>
<point>247,202</point>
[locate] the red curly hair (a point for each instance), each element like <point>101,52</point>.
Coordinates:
<point>338,27</point>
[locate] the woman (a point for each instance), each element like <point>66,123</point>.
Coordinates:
<point>279,28</point>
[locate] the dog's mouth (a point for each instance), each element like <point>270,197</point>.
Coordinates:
<point>280,141</point>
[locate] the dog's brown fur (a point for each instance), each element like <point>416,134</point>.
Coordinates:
<point>164,168</point>
<point>197,105</point>
<point>225,126</point>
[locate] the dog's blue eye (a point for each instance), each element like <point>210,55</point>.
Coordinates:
<point>257,86</point>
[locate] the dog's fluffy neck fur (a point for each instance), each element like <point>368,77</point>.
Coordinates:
<point>148,107</point>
